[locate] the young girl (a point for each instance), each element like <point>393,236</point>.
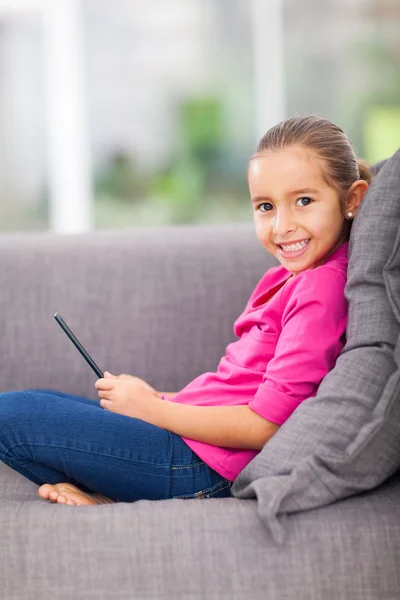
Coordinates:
<point>136,443</point>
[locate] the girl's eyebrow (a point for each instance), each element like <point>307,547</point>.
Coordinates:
<point>293,193</point>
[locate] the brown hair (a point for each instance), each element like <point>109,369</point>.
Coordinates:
<point>329,142</point>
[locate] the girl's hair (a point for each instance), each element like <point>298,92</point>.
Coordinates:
<point>329,142</point>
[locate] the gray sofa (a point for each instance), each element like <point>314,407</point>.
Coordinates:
<point>122,294</point>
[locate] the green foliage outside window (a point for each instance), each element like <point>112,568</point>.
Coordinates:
<point>198,183</point>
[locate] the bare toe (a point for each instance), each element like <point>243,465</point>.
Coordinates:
<point>47,491</point>
<point>66,493</point>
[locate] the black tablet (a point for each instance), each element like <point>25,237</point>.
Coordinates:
<point>78,345</point>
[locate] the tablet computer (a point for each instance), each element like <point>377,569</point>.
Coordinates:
<point>78,345</point>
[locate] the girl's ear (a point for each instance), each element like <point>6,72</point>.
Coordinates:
<point>355,195</point>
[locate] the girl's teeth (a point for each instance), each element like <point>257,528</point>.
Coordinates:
<point>294,247</point>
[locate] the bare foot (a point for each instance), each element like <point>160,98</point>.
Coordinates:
<point>66,493</point>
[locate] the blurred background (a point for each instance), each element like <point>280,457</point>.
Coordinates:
<point>119,113</point>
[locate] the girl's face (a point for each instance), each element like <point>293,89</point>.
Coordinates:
<point>295,208</point>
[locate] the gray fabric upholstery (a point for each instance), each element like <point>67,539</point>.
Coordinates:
<point>378,166</point>
<point>123,294</point>
<point>198,549</point>
<point>347,438</point>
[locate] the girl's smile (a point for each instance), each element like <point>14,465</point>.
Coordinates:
<point>292,251</point>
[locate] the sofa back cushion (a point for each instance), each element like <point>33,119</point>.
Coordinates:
<point>156,302</point>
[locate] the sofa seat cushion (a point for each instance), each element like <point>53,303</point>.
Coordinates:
<point>211,548</point>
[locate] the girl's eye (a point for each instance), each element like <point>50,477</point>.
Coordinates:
<point>265,204</point>
<point>305,198</point>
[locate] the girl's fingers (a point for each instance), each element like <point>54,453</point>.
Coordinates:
<point>104,384</point>
<point>105,403</point>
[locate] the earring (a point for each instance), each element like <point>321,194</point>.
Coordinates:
<point>350,214</point>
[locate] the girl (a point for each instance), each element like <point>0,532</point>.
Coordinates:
<point>136,443</point>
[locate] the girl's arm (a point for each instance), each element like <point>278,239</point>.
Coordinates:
<point>227,426</point>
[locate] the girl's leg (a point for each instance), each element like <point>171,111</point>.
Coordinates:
<point>32,470</point>
<point>43,469</point>
<point>50,439</point>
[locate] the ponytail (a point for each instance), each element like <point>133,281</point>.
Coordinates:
<point>364,168</point>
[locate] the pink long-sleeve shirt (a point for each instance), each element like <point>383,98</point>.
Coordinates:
<point>290,335</point>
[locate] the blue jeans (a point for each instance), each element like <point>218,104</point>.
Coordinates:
<point>50,437</point>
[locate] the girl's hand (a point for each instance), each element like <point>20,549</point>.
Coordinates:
<point>128,395</point>
<point>132,378</point>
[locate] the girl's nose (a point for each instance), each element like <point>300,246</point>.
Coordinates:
<point>282,224</point>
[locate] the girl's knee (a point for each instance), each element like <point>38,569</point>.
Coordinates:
<point>9,396</point>
<point>13,401</point>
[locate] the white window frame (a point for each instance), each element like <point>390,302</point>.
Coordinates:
<point>70,177</point>
<point>267,24</point>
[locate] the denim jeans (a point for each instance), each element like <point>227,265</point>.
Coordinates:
<point>52,437</point>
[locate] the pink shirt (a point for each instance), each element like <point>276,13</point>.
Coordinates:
<point>286,345</point>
